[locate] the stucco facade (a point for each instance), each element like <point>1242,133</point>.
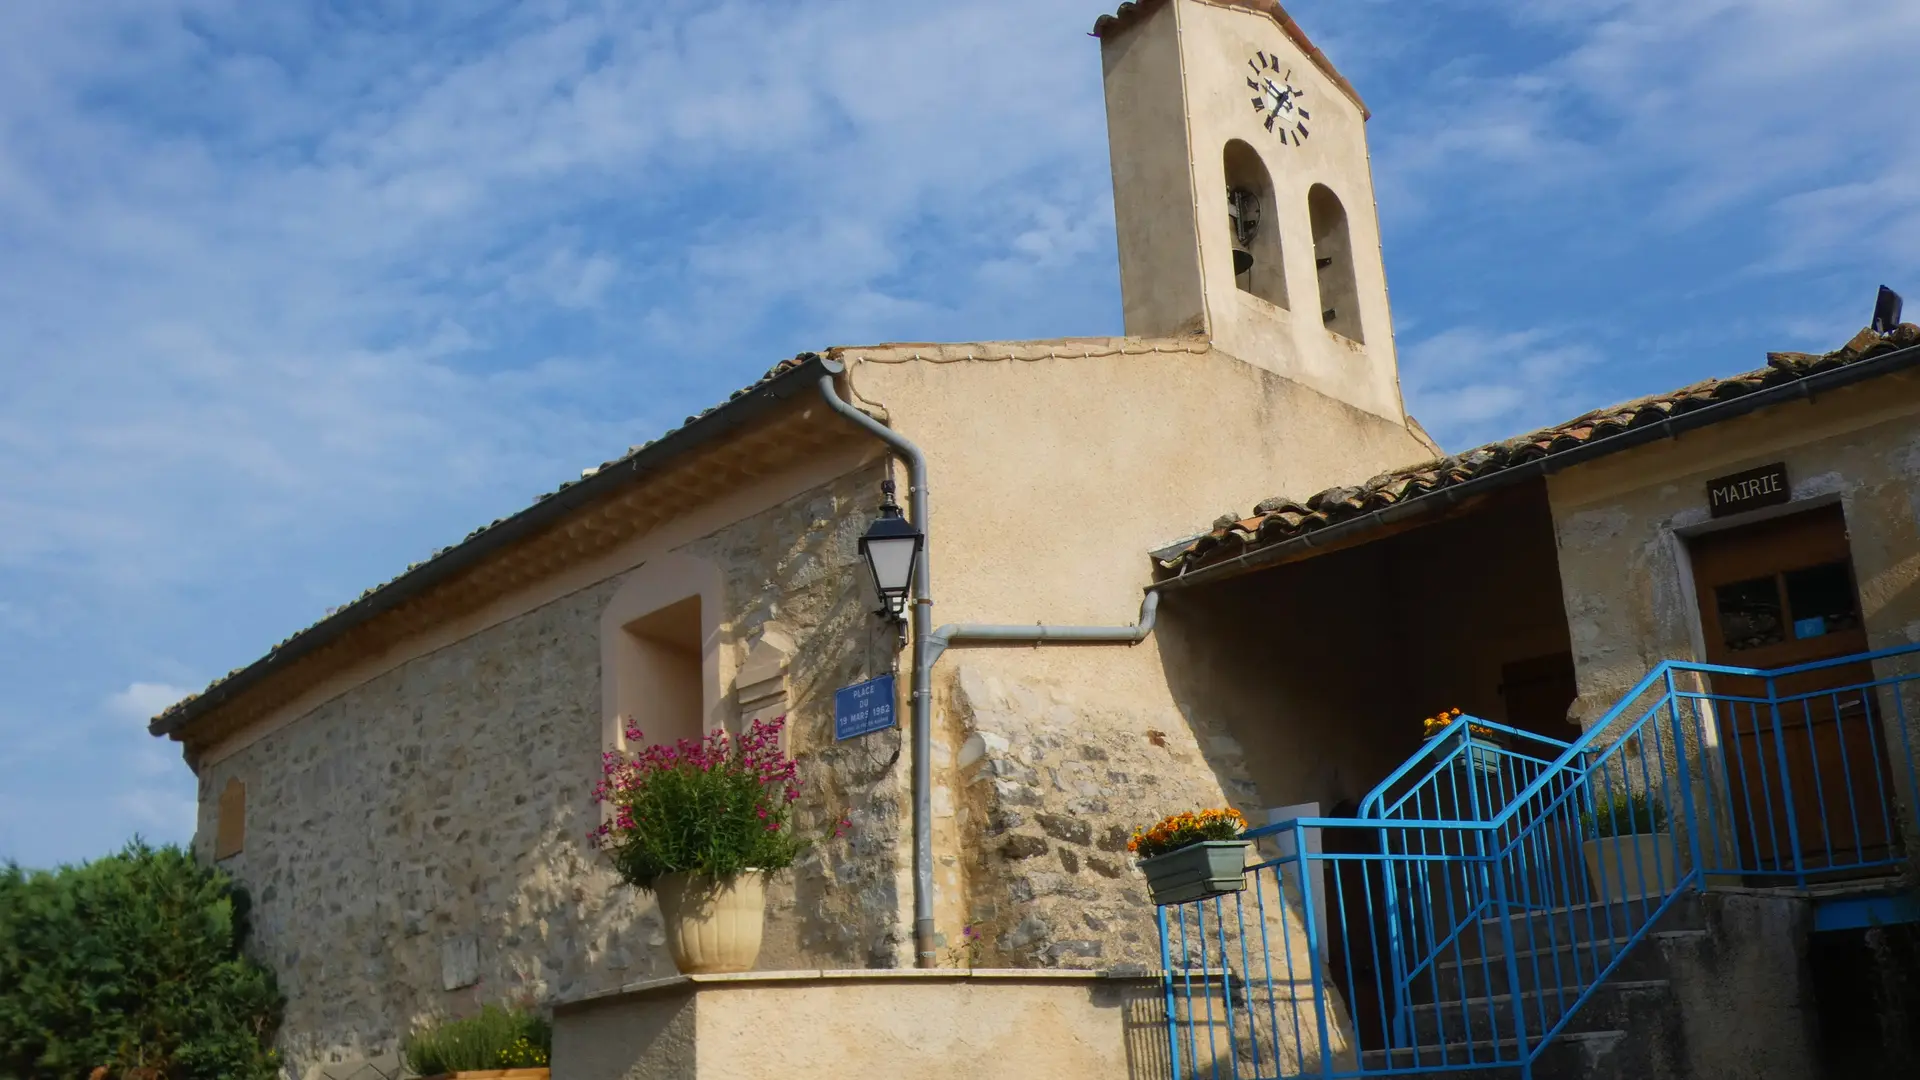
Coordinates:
<point>1046,757</point>
<point>1177,98</point>
<point>415,827</point>
<point>1622,523</point>
<point>823,1025</point>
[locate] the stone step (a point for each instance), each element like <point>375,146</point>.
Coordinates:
<point>1572,964</point>
<point>1553,927</point>
<point>1592,1055</point>
<point>1627,1006</point>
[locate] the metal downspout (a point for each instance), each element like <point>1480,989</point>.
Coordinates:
<point>929,644</point>
<point>921,705</point>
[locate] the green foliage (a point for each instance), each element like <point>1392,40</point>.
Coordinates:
<point>713,807</point>
<point>495,1038</point>
<point>131,963</point>
<point>1625,815</point>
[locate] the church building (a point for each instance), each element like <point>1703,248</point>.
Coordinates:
<point>404,788</point>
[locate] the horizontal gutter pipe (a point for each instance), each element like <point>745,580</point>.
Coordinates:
<point>1045,634</point>
<point>929,645</point>
<point>1671,427</point>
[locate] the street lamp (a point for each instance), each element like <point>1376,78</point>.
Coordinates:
<point>891,547</point>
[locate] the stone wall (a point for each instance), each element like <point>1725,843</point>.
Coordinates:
<point>1051,784</point>
<point>1051,780</point>
<point>416,846</point>
<point>1049,794</point>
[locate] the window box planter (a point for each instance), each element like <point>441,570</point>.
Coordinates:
<point>1483,757</point>
<point>542,1073</point>
<point>1197,871</point>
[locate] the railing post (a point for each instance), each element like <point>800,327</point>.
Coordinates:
<point>1786,785</point>
<point>1473,800</point>
<point>1313,949</point>
<point>1513,973</point>
<point>1396,942</point>
<point>1691,824</point>
<point>1166,978</point>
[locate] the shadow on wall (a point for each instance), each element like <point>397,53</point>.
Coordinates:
<point>1143,1024</point>
<point>1319,671</point>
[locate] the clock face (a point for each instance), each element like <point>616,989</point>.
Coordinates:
<point>1277,100</point>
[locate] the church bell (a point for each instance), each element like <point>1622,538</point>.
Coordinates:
<point>1243,211</point>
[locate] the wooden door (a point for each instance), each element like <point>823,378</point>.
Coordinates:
<point>1773,595</point>
<point>1538,692</point>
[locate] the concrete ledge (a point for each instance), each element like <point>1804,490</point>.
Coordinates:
<point>672,983</point>
<point>906,1024</point>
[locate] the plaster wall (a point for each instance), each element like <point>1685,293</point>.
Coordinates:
<point>1177,94</point>
<point>1622,523</point>
<point>1052,474</point>
<point>832,1024</point>
<point>416,845</point>
<point>1153,203</point>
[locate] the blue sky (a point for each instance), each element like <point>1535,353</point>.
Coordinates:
<point>293,294</point>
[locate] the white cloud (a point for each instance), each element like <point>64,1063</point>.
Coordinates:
<point>1469,385</point>
<point>289,302</point>
<point>160,814</point>
<point>144,700</point>
<point>1663,113</point>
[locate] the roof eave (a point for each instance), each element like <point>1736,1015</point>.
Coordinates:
<point>750,406</point>
<point>1439,499</point>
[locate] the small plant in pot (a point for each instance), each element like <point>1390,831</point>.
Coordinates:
<point>701,824</point>
<point>497,1042</point>
<point>1627,849</point>
<point>1192,855</point>
<point>1482,741</point>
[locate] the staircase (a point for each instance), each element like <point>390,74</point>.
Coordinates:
<point>1626,1029</point>
<point>1507,905</point>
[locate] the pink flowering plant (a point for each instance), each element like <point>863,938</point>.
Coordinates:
<point>714,807</point>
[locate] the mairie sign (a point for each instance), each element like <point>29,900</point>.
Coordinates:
<point>863,708</point>
<point>1750,490</point>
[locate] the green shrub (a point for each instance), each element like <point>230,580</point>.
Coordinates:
<point>496,1038</point>
<point>131,963</point>
<point>1625,815</point>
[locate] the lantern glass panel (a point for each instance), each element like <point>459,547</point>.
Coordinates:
<point>892,562</point>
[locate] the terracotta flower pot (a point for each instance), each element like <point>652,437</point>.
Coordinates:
<point>713,927</point>
<point>1197,871</point>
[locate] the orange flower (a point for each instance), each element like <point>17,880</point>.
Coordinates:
<point>1184,828</point>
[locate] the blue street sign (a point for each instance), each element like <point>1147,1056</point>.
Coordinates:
<point>863,708</point>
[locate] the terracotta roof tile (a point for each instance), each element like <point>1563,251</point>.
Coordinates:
<point>1280,519</point>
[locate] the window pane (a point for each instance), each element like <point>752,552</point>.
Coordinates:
<point>1749,613</point>
<point>1821,601</point>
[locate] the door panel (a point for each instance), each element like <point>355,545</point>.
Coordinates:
<point>1773,595</point>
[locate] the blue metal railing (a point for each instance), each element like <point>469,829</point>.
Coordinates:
<point>1490,887</point>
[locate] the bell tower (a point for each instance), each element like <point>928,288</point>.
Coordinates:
<point>1243,195</point>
